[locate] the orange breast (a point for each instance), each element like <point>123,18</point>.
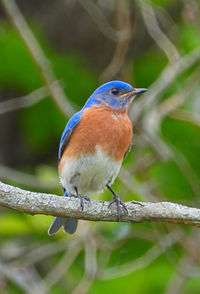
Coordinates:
<point>103,126</point>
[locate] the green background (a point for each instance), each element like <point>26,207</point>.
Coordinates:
<point>163,164</point>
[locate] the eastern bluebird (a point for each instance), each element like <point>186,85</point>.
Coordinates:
<point>93,145</point>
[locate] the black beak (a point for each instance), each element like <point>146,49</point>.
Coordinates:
<point>137,91</point>
<point>134,92</point>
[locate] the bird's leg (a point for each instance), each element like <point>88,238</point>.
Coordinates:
<point>81,198</point>
<point>118,202</point>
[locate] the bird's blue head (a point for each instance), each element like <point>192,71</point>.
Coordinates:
<point>115,94</point>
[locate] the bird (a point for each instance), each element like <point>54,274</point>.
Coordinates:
<point>93,146</point>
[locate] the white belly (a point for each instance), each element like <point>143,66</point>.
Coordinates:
<point>90,173</point>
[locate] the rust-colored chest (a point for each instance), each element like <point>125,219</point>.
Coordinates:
<point>109,129</point>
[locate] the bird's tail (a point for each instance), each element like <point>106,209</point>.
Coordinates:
<point>69,225</point>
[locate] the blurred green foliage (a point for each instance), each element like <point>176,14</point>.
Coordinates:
<point>40,127</point>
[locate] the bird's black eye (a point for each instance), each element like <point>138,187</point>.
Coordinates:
<point>115,91</point>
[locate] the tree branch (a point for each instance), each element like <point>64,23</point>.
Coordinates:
<point>40,203</point>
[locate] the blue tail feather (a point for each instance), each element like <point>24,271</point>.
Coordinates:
<point>69,224</point>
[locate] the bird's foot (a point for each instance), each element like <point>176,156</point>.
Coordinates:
<point>86,198</point>
<point>137,202</point>
<point>81,198</point>
<point>118,203</point>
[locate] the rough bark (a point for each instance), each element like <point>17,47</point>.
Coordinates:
<point>41,203</point>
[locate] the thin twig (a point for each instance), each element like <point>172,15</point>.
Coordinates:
<point>180,276</point>
<point>38,56</point>
<point>90,266</point>
<point>28,180</point>
<point>168,151</point>
<point>187,264</point>
<point>145,260</point>
<point>21,279</point>
<point>62,266</point>
<point>83,286</point>
<point>103,25</point>
<point>42,252</point>
<point>166,77</point>
<point>156,33</point>
<point>123,20</point>
<point>23,102</point>
<point>186,115</point>
<point>135,186</point>
<point>152,120</point>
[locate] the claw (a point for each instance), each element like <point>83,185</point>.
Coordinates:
<point>77,195</point>
<point>118,202</point>
<point>86,198</point>
<point>81,202</point>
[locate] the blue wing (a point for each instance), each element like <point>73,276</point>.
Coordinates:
<point>68,224</point>
<point>72,123</point>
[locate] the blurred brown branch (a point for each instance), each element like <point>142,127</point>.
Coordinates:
<point>99,18</point>
<point>24,101</point>
<point>141,262</point>
<point>166,77</point>
<point>26,281</point>
<point>156,32</point>
<point>123,20</point>
<point>48,204</point>
<point>38,56</point>
<point>11,174</point>
<point>187,116</point>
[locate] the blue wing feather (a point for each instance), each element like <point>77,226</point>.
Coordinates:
<point>69,224</point>
<point>72,123</point>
